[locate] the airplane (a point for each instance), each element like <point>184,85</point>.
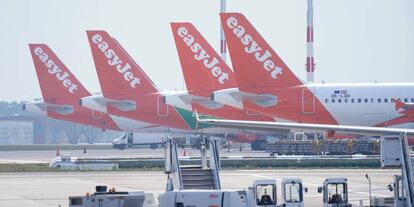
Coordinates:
<point>267,85</point>
<point>128,92</point>
<point>204,71</point>
<point>61,92</point>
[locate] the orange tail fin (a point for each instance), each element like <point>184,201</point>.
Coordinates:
<point>203,68</point>
<point>254,61</point>
<point>117,72</point>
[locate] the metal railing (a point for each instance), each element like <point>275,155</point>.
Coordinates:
<point>215,164</point>
<point>406,169</point>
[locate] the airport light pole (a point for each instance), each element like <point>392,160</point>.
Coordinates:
<point>310,64</point>
<point>369,183</point>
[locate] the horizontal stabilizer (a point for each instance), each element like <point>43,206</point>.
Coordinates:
<point>263,100</point>
<point>122,105</point>
<point>99,102</point>
<point>191,99</point>
<point>44,106</point>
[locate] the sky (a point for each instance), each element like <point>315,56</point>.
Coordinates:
<point>355,40</point>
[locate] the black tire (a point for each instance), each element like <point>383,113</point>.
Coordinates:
<point>120,146</point>
<point>153,146</point>
<point>258,145</point>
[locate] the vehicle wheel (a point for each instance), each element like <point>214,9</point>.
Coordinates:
<point>120,146</point>
<point>154,146</point>
<point>257,145</point>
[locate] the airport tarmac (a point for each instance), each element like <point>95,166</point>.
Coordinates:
<point>47,156</point>
<point>53,189</point>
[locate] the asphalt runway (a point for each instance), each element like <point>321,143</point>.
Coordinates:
<point>53,189</point>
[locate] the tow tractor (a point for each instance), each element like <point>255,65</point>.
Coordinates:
<point>400,195</point>
<point>112,198</point>
<point>292,192</point>
<point>335,192</point>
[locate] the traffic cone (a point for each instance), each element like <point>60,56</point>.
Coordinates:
<point>57,152</point>
<point>84,149</point>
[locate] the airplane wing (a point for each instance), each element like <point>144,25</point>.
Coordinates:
<point>277,126</point>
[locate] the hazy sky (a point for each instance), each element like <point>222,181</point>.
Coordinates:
<point>355,40</point>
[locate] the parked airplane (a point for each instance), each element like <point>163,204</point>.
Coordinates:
<point>128,91</point>
<point>61,92</point>
<point>267,85</point>
<point>204,72</point>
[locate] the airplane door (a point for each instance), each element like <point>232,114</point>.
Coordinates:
<point>308,101</point>
<point>251,113</point>
<point>162,108</point>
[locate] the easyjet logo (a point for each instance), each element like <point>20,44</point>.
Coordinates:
<point>115,61</point>
<point>200,54</point>
<point>54,69</point>
<point>251,47</point>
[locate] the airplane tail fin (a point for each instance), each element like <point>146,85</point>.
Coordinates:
<point>61,91</point>
<point>117,71</point>
<point>203,69</point>
<point>255,63</point>
<point>55,79</point>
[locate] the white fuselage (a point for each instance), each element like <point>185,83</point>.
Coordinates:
<point>348,104</point>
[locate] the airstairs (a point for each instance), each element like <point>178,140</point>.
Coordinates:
<point>407,166</point>
<point>204,176</point>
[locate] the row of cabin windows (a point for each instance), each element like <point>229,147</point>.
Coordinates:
<point>366,100</point>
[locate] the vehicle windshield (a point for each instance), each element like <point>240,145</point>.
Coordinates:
<point>293,192</point>
<point>265,195</point>
<point>336,193</point>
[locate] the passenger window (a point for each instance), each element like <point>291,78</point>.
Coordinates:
<point>333,100</point>
<point>379,100</point>
<point>406,100</point>
<point>326,100</point>
<point>372,100</point>
<point>392,101</point>
<point>366,100</point>
<point>346,100</point>
<point>359,100</point>
<point>339,100</point>
<point>352,100</point>
<point>412,100</point>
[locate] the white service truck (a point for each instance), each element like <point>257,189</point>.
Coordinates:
<point>126,140</point>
